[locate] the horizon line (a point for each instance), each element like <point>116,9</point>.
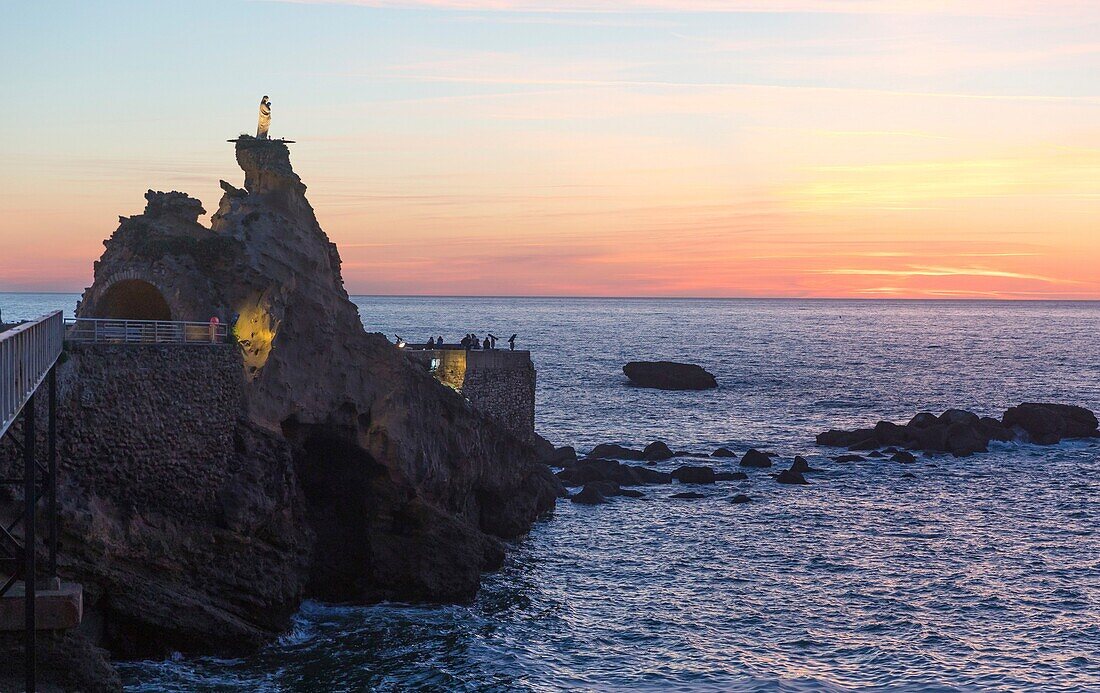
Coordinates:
<point>673,298</point>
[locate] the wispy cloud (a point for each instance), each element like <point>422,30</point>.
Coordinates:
<point>1011,8</point>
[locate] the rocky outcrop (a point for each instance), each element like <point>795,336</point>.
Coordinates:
<point>964,433</point>
<point>1047,424</point>
<point>669,375</point>
<point>343,471</point>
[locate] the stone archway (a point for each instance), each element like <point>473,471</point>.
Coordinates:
<point>133,299</point>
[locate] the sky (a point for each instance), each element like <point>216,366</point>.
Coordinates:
<point>741,148</point>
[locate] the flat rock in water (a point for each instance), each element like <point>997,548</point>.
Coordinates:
<point>688,495</point>
<point>740,498</point>
<point>631,493</point>
<point>723,452</point>
<point>851,458</point>
<point>669,375</point>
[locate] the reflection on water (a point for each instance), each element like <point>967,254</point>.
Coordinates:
<point>978,573</point>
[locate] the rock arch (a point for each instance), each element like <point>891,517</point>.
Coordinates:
<point>128,295</point>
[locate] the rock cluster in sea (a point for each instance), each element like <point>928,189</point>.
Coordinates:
<point>963,433</point>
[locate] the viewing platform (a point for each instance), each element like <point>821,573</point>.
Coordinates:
<point>497,382</point>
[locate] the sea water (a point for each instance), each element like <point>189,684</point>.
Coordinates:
<point>977,573</point>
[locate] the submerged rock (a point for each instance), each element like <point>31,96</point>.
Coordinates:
<point>688,495</point>
<point>723,452</point>
<point>740,498</point>
<point>852,458</point>
<point>669,375</point>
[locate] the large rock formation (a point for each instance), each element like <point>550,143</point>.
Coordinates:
<point>343,471</point>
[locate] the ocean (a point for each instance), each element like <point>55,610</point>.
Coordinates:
<point>977,573</point>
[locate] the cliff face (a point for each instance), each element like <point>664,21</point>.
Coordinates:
<point>399,488</point>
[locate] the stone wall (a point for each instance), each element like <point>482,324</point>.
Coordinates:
<point>498,383</point>
<point>169,412</point>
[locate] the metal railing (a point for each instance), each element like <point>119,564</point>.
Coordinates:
<point>28,358</point>
<point>111,331</point>
<point>27,353</point>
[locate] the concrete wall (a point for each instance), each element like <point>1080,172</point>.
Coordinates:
<point>497,382</point>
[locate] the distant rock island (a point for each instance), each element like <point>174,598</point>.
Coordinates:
<point>669,375</point>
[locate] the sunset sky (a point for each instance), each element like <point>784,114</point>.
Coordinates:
<point>842,148</point>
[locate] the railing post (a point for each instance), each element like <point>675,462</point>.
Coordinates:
<point>28,540</point>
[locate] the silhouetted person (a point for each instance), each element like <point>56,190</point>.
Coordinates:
<point>487,345</point>
<point>492,342</point>
<point>431,342</point>
<point>474,342</point>
<point>439,342</point>
<point>512,342</point>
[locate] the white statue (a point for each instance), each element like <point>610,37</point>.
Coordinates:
<point>265,119</point>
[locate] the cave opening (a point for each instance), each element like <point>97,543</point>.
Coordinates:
<point>133,299</point>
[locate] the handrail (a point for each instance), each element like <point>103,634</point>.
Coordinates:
<point>27,352</point>
<point>115,331</point>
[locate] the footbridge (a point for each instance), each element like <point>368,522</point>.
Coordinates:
<point>32,597</point>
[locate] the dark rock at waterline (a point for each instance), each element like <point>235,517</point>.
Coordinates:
<point>688,495</point>
<point>801,465</point>
<point>964,439</point>
<point>843,439</point>
<point>631,493</point>
<point>903,456</point>
<point>1046,424</point>
<point>730,476</point>
<point>853,458</point>
<point>657,451</point>
<point>669,375</point>
<point>873,453</point>
<point>993,429</point>
<point>907,475</point>
<point>594,470</point>
<point>694,475</point>
<point>723,452</point>
<point>755,458</point>
<point>789,476</point>
<point>589,496</point>
<point>923,420</point>
<point>740,498</point>
<point>959,416</point>
<point>560,457</point>
<point>617,452</point>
